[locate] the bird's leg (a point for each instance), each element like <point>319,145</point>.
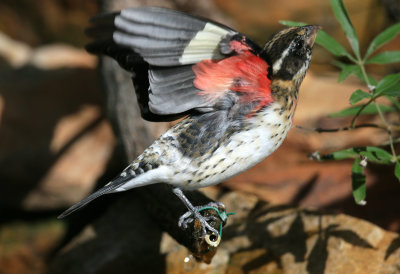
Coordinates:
<point>194,213</point>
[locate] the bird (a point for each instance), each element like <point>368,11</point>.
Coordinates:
<point>235,99</point>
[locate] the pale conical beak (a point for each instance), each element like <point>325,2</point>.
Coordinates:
<point>312,31</point>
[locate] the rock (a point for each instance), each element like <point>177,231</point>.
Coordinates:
<point>17,54</point>
<point>55,140</point>
<point>281,239</point>
<point>24,246</point>
<point>58,22</point>
<point>56,56</point>
<point>13,52</point>
<point>260,238</point>
<point>122,240</point>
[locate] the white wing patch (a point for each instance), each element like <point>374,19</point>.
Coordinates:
<point>204,45</point>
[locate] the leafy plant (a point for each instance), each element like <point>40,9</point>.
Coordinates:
<point>363,101</point>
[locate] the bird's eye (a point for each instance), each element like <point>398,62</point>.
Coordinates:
<point>299,45</point>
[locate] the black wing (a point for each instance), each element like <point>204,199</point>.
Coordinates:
<point>159,46</point>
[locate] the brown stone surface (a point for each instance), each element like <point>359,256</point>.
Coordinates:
<point>263,238</point>
<point>25,245</point>
<point>46,21</point>
<point>55,141</point>
<point>260,238</point>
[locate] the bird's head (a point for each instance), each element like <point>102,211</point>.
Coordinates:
<point>288,52</point>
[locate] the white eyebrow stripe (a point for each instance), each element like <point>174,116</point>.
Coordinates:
<point>278,63</point>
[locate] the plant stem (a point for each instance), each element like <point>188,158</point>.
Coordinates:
<point>391,143</point>
<point>321,130</point>
<point>364,73</point>
<point>383,119</point>
<point>353,121</point>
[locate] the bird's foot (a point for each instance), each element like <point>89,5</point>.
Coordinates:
<point>207,217</point>
<point>208,232</point>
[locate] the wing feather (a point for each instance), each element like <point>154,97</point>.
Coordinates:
<point>172,91</point>
<point>167,47</point>
<point>162,37</point>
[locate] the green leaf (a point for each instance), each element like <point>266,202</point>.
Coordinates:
<point>397,170</point>
<point>344,154</point>
<point>386,57</point>
<point>370,109</point>
<point>387,83</point>
<point>349,153</point>
<point>347,70</point>
<point>358,95</point>
<point>384,37</point>
<point>360,76</point>
<point>371,79</point>
<point>339,64</point>
<point>376,155</point>
<point>358,182</point>
<point>341,15</point>
<point>393,91</point>
<point>394,101</point>
<point>372,154</point>
<point>353,69</point>
<point>330,44</point>
<point>291,23</point>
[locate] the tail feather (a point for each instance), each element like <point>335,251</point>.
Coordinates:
<point>109,188</point>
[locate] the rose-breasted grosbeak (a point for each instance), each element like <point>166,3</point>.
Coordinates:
<point>239,98</point>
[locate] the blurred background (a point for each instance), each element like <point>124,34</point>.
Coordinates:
<point>55,141</point>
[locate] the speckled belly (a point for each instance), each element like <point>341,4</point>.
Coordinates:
<point>240,152</point>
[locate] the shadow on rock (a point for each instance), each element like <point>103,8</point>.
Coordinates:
<point>33,103</point>
<point>123,239</point>
<point>306,241</point>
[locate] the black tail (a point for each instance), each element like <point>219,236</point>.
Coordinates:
<point>114,184</point>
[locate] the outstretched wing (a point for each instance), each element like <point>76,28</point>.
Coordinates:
<point>181,63</point>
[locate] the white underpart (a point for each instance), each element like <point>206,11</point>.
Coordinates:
<point>249,147</point>
<point>245,149</point>
<point>154,176</point>
<point>204,45</point>
<point>164,173</point>
<point>278,63</point>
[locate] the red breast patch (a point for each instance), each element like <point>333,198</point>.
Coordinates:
<point>245,73</point>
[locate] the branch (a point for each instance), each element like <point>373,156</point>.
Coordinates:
<point>347,128</point>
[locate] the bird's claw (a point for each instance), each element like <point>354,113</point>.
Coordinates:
<point>185,219</point>
<point>190,217</point>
